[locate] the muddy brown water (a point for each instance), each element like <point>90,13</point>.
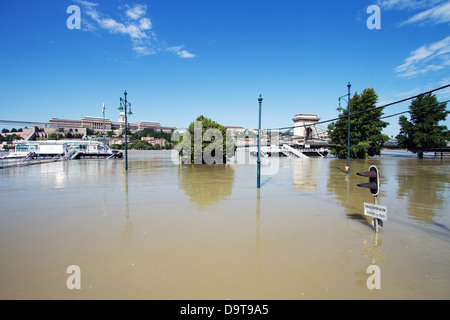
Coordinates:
<point>168,231</point>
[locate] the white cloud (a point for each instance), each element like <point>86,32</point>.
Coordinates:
<point>407,4</point>
<point>433,57</point>
<point>181,53</point>
<point>445,81</point>
<point>444,93</point>
<point>137,26</point>
<point>185,54</point>
<point>409,93</point>
<point>86,3</point>
<point>145,24</point>
<point>432,11</point>
<point>113,26</point>
<point>137,11</point>
<point>437,14</point>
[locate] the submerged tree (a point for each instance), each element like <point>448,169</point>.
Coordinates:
<point>424,131</point>
<point>206,142</point>
<point>366,137</point>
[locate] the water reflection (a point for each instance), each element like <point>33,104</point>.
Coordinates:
<point>344,187</point>
<point>304,175</point>
<point>127,229</point>
<point>258,230</point>
<point>206,185</point>
<point>423,183</point>
<point>372,250</point>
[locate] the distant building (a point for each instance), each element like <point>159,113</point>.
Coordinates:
<point>153,141</point>
<point>253,131</point>
<point>99,124</point>
<point>95,123</point>
<point>148,125</point>
<point>235,130</point>
<point>64,123</point>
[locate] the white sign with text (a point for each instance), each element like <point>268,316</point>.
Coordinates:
<point>375,211</point>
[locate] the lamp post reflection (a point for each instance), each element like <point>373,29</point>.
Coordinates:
<point>258,230</point>
<point>128,227</point>
<point>371,276</point>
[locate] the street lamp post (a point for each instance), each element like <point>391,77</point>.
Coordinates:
<point>348,125</point>
<point>348,134</point>
<point>260,99</point>
<point>124,104</point>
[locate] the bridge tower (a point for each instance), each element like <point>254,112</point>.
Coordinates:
<point>304,126</point>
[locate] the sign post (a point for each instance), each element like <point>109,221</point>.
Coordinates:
<point>377,212</point>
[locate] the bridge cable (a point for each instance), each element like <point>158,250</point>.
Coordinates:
<point>359,112</point>
<point>408,111</point>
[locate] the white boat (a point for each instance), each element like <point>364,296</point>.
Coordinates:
<point>70,149</point>
<point>15,155</point>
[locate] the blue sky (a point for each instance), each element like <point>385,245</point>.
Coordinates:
<point>178,59</point>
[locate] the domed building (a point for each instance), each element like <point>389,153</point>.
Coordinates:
<point>122,117</point>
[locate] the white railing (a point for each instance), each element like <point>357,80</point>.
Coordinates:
<point>295,151</point>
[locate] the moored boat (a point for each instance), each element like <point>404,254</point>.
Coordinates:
<point>69,149</point>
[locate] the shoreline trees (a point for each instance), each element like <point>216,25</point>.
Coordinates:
<point>423,129</point>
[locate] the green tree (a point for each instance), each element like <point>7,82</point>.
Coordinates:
<point>52,136</point>
<point>169,146</point>
<point>207,142</point>
<point>12,137</point>
<point>148,132</point>
<point>366,137</point>
<point>117,146</point>
<point>141,145</point>
<point>423,130</point>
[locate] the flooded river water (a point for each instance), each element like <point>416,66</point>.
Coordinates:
<point>168,231</point>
